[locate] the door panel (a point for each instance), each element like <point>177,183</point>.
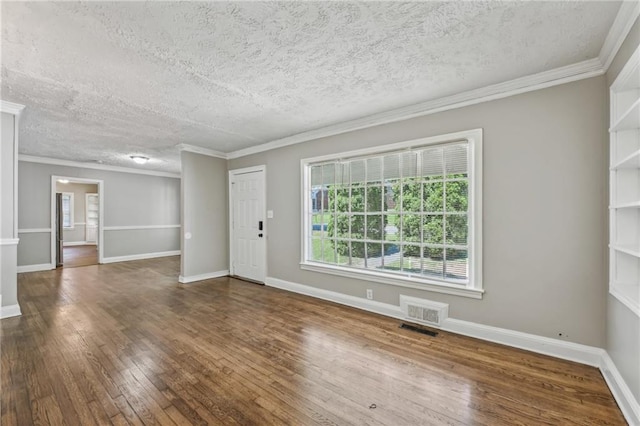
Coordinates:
<point>248,256</point>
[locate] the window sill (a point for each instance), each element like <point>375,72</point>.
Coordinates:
<point>69,228</point>
<point>628,294</point>
<point>420,284</point>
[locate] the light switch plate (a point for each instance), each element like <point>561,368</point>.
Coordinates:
<point>269,214</point>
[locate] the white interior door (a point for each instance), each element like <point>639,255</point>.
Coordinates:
<point>248,254</point>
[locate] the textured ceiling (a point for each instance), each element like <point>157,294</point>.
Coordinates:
<point>105,80</point>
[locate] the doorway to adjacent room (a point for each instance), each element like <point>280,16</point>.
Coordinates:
<point>76,219</point>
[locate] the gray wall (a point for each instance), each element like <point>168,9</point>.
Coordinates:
<point>623,326</point>
<point>79,190</point>
<point>204,215</point>
<point>544,222</point>
<point>129,200</point>
<point>8,283</point>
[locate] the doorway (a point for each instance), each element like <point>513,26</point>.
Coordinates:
<point>76,221</point>
<point>247,225</point>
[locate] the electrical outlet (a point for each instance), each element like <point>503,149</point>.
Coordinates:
<point>369,294</point>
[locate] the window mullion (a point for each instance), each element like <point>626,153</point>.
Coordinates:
<point>364,212</point>
<point>400,211</point>
<point>350,215</point>
<point>321,213</point>
<point>444,216</point>
<point>419,172</point>
<point>383,196</point>
<point>334,211</point>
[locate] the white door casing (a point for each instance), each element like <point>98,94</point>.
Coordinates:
<point>100,232</point>
<point>248,241</point>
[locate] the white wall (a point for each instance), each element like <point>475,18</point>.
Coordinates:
<point>147,206</point>
<point>205,217</point>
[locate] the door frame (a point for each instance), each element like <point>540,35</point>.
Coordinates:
<point>71,179</point>
<point>232,173</point>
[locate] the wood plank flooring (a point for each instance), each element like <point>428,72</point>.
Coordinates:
<point>125,344</point>
<point>73,256</point>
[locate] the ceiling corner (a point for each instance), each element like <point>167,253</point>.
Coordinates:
<point>626,17</point>
<point>203,151</point>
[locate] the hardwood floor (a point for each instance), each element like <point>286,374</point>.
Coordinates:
<point>73,256</point>
<point>125,344</point>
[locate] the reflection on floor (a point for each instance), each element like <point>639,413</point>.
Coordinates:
<point>129,344</point>
<point>80,256</point>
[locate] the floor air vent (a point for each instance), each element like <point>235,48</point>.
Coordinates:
<point>419,329</point>
<point>424,311</point>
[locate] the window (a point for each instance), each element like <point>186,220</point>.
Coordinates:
<point>67,210</point>
<point>405,214</point>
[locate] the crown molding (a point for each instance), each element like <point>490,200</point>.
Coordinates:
<point>542,80</point>
<point>69,163</point>
<point>200,150</point>
<point>626,17</point>
<point>11,108</point>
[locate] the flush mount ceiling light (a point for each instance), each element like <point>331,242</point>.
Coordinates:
<point>139,159</point>
<point>63,180</point>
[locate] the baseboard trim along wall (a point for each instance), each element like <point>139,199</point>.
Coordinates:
<point>10,311</point>
<point>557,348</point>
<point>139,227</point>
<point>344,299</point>
<point>207,276</point>
<point>584,354</point>
<point>114,259</point>
<point>141,256</point>
<point>78,243</point>
<point>570,351</point>
<point>36,268</point>
<point>621,393</point>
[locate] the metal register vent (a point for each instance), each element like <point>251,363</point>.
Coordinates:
<point>424,311</point>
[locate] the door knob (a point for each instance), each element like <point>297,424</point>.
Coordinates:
<point>260,235</point>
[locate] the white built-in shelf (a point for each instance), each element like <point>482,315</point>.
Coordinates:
<point>631,205</point>
<point>624,222</point>
<point>630,119</point>
<point>628,294</point>
<point>629,81</point>
<point>627,248</point>
<point>631,161</point>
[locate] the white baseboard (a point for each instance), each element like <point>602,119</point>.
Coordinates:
<point>332,296</point>
<point>10,311</point>
<point>78,243</point>
<point>583,354</point>
<point>558,348</point>
<point>207,276</point>
<point>36,268</point>
<point>570,351</point>
<point>141,256</point>
<point>624,397</point>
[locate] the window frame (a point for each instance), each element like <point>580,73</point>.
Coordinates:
<point>71,209</point>
<point>474,288</point>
